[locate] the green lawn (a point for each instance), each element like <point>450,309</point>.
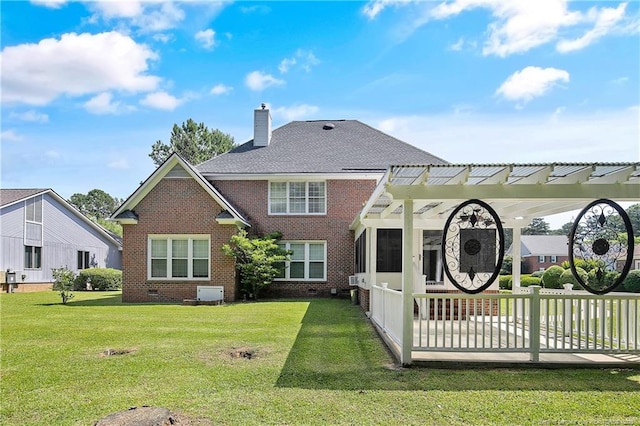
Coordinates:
<point>313,362</point>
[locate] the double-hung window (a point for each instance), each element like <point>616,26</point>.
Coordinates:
<point>541,259</point>
<point>297,198</point>
<point>307,262</point>
<point>178,256</point>
<point>32,257</point>
<point>83,260</point>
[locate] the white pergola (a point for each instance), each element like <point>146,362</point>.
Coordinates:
<point>423,196</point>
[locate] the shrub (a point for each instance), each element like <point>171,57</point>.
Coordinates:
<point>527,280</point>
<point>537,274</point>
<point>505,282</point>
<point>568,278</point>
<point>607,280</point>
<point>551,276</point>
<point>63,283</point>
<point>102,279</point>
<point>632,281</point>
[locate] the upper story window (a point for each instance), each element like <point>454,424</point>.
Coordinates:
<point>541,259</point>
<point>179,256</point>
<point>297,198</point>
<point>33,221</point>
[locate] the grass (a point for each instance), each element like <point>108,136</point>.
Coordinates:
<point>314,362</point>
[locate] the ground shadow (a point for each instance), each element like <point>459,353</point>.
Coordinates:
<point>337,349</point>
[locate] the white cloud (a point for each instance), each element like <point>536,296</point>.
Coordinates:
<point>31,116</point>
<point>161,100</point>
<point>605,20</point>
<point>220,89</point>
<point>373,8</point>
<point>305,59</point>
<point>10,136</point>
<point>457,46</point>
<point>286,64</point>
<point>117,9</point>
<point>296,112</point>
<point>75,65</point>
<point>52,4</point>
<point>258,81</point>
<point>530,83</point>
<point>206,38</point>
<point>120,163</point>
<point>104,104</point>
<point>602,136</point>
<point>621,81</point>
<point>163,38</point>
<point>52,155</point>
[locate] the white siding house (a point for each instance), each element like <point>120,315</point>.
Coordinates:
<point>39,231</point>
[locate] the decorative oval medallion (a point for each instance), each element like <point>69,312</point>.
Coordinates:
<point>473,246</point>
<point>595,238</point>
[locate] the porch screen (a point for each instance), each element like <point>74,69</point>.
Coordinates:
<point>389,250</point>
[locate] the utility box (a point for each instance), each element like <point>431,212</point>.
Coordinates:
<point>210,293</point>
<point>11,277</point>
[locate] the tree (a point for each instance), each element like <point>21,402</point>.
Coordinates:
<point>194,142</point>
<point>564,229</point>
<point>538,226</point>
<point>63,283</point>
<point>97,205</point>
<point>258,259</point>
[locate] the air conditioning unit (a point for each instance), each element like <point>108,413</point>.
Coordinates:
<point>353,280</point>
<point>210,293</point>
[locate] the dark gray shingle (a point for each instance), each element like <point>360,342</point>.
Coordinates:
<point>309,147</point>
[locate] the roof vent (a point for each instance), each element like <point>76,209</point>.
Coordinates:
<point>329,126</point>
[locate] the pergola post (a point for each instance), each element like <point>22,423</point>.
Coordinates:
<point>516,253</point>
<point>407,283</point>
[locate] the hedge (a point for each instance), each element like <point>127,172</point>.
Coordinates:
<point>551,277</point>
<point>525,281</point>
<point>631,283</point>
<point>568,278</point>
<point>102,279</point>
<point>504,282</point>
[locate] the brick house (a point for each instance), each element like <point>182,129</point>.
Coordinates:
<point>542,251</point>
<point>306,179</point>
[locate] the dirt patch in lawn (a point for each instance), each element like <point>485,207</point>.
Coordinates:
<point>149,416</point>
<point>116,352</point>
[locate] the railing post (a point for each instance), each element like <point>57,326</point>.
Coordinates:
<point>534,323</point>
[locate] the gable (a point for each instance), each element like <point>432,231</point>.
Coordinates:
<point>175,167</point>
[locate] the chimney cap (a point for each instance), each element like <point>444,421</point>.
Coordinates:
<point>263,105</point>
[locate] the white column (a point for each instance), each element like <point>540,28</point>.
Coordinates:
<point>516,253</point>
<point>407,283</point>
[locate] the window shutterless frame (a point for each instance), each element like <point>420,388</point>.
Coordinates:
<point>297,198</point>
<point>178,257</point>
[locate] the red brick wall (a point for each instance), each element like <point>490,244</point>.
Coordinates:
<point>345,198</point>
<point>175,206</point>
<point>530,264</point>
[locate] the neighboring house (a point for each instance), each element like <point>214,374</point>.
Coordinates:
<point>635,263</point>
<point>306,179</point>
<point>41,231</point>
<point>541,251</point>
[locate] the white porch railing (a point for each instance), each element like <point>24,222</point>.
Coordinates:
<point>386,311</point>
<point>531,322</point>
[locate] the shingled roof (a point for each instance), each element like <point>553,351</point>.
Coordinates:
<point>320,146</point>
<point>10,196</point>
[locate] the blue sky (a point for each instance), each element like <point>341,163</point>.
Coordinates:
<point>88,87</point>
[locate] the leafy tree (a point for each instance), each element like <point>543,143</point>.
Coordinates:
<point>507,265</point>
<point>97,205</point>
<point>194,142</point>
<point>258,259</point>
<point>63,283</point>
<point>564,229</point>
<point>538,226</point>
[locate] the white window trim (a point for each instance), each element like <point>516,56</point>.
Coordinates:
<point>169,238</point>
<point>306,213</point>
<point>306,262</point>
<point>542,259</point>
<point>554,259</point>
<point>27,241</point>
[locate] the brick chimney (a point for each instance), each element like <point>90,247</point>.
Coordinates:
<point>261,126</point>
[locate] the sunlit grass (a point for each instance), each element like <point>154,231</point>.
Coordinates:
<point>314,361</point>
